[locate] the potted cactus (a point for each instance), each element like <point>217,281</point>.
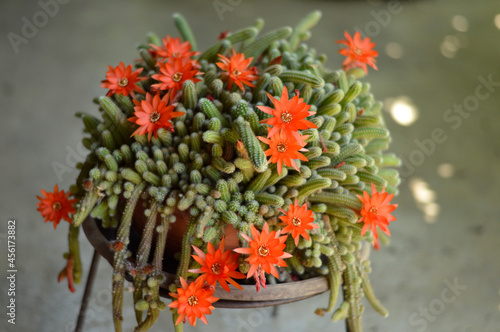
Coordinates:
<point>250,164</point>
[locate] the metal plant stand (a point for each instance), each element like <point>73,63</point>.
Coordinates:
<point>88,290</point>
<point>309,287</point>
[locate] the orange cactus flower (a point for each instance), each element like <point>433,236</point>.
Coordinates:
<point>173,74</point>
<point>283,149</point>
<point>266,250</point>
<point>298,219</point>
<point>359,52</point>
<point>218,265</point>
<point>236,70</point>
<point>122,80</point>
<point>288,114</point>
<point>174,48</point>
<point>152,114</point>
<point>56,206</point>
<point>193,301</point>
<point>376,212</point>
<point>67,272</point>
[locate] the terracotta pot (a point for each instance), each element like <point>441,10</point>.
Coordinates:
<point>177,229</point>
<point>247,298</point>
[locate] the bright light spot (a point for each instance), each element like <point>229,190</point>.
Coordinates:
<point>497,21</point>
<point>460,23</point>
<point>446,170</point>
<point>421,191</point>
<point>394,50</point>
<point>450,46</point>
<point>452,43</point>
<point>403,111</point>
<point>425,199</point>
<point>446,52</point>
<point>431,212</point>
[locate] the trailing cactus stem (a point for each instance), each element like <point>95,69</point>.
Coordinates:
<point>179,327</point>
<point>334,281</point>
<point>160,246</point>
<point>182,270</point>
<point>74,251</point>
<point>154,313</point>
<point>353,295</point>
<point>120,256</point>
<point>370,296</point>
<point>143,255</point>
<point>86,206</point>
<point>153,310</point>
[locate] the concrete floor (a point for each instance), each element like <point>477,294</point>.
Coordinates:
<point>440,53</point>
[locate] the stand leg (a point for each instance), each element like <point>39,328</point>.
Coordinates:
<point>88,290</point>
<point>275,311</point>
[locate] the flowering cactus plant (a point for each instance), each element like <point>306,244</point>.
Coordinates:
<point>254,134</point>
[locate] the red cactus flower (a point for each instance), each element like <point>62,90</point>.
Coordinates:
<point>266,249</point>
<point>283,149</point>
<point>218,265</point>
<point>236,70</point>
<point>122,80</point>
<point>56,206</point>
<point>174,48</point>
<point>193,301</point>
<point>152,114</point>
<point>359,52</point>
<point>173,74</point>
<point>376,211</point>
<point>298,220</point>
<point>288,114</point>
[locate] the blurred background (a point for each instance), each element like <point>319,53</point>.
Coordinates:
<point>438,76</point>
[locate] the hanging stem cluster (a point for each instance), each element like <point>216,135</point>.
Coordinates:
<point>213,167</point>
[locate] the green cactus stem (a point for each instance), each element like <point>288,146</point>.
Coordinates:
<point>185,30</point>
<point>352,296</point>
<point>182,270</point>
<point>260,45</point>
<point>120,256</point>
<point>74,251</point>
<point>306,24</point>
<point>143,255</point>
<point>252,145</point>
